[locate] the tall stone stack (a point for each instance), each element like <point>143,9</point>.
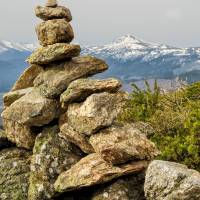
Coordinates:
<point>64,125</point>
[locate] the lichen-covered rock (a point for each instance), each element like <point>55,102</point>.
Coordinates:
<point>119,144</point>
<point>51,156</point>
<point>171,181</point>
<point>80,89</point>
<point>14,173</point>
<point>22,136</point>
<point>32,110</point>
<point>56,78</point>
<point>54,31</point>
<point>96,112</point>
<point>55,52</point>
<point>12,96</point>
<point>47,13</point>
<point>27,77</point>
<point>93,170</point>
<point>76,138</point>
<point>126,188</point>
<point>4,143</point>
<point>51,3</point>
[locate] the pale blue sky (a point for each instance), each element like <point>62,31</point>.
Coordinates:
<point>174,22</point>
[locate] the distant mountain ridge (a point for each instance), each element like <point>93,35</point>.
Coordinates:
<point>129,58</point>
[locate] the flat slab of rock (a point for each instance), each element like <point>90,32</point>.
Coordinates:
<point>119,144</point>
<point>93,170</point>
<point>56,78</point>
<point>14,173</point>
<point>55,52</point>
<point>51,156</point>
<point>12,96</point>
<point>32,110</point>
<point>167,181</point>
<point>54,31</point>
<point>22,136</point>
<point>51,3</point>
<point>80,89</point>
<point>4,143</point>
<point>76,138</point>
<point>47,13</point>
<point>96,112</point>
<point>27,77</point>
<point>125,188</point>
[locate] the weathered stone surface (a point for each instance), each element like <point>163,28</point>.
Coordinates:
<point>92,170</point>
<point>80,89</point>
<point>76,138</point>
<point>126,188</point>
<point>55,52</point>
<point>51,3</point>
<point>4,143</point>
<point>47,13</point>
<point>14,173</point>
<point>54,31</point>
<point>27,77</point>
<point>12,96</point>
<point>22,136</point>
<point>56,78</point>
<point>97,112</point>
<point>170,181</point>
<point>32,110</point>
<point>51,156</point>
<point>119,144</point>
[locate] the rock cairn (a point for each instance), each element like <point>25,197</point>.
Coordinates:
<point>60,126</point>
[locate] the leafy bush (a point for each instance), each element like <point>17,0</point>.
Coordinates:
<point>175,118</point>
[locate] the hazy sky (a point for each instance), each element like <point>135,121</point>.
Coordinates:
<point>174,22</point>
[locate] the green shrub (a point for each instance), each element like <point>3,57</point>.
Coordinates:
<point>175,118</point>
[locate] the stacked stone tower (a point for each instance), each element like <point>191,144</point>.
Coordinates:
<point>64,123</point>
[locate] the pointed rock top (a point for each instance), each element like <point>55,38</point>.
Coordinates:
<point>51,3</point>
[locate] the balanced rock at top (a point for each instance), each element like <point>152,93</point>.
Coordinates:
<point>57,77</point>
<point>119,144</point>
<point>170,181</point>
<point>55,52</point>
<point>54,31</point>
<point>93,170</point>
<point>47,13</point>
<point>80,89</point>
<point>51,3</point>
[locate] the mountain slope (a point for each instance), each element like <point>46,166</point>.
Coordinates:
<point>129,58</point>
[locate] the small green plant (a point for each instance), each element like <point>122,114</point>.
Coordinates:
<point>175,118</point>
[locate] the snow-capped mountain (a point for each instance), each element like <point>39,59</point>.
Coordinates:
<point>129,58</point>
<point>134,59</point>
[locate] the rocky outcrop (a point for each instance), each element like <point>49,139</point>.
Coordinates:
<point>55,52</point>
<point>54,31</point>
<point>14,174</point>
<point>56,78</point>
<point>48,13</point>
<point>80,89</point>
<point>12,96</point>
<point>167,181</point>
<point>93,170</point>
<point>96,112</point>
<point>121,144</point>
<point>27,77</point>
<point>51,156</point>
